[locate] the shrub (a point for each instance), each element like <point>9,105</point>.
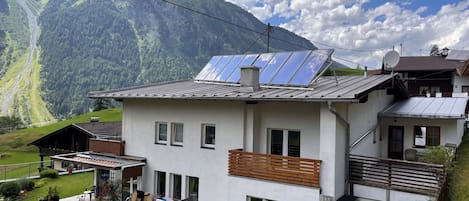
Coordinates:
<point>49,173</point>
<point>10,189</point>
<point>439,155</point>
<point>26,184</point>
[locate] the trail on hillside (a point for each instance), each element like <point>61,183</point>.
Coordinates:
<point>20,95</point>
<point>26,71</point>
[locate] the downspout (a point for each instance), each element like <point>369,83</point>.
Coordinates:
<point>347,146</point>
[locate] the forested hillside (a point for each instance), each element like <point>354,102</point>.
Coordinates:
<point>91,44</point>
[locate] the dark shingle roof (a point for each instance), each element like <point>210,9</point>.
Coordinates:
<point>427,63</point>
<point>102,129</point>
<point>349,88</point>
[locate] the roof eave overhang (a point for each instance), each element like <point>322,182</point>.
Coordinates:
<point>410,116</point>
<point>63,157</point>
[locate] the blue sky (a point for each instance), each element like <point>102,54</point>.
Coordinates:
<point>362,31</point>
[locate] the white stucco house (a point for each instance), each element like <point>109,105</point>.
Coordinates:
<point>244,138</point>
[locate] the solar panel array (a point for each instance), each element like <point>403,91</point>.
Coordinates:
<point>283,68</point>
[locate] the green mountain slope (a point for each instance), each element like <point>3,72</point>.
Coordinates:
<point>59,50</point>
<point>20,81</point>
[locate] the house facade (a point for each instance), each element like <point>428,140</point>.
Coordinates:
<point>218,142</point>
<point>253,139</point>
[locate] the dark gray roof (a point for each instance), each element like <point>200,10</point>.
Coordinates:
<point>428,108</point>
<point>102,129</point>
<point>350,88</point>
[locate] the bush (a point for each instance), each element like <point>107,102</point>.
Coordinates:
<point>439,155</point>
<point>49,173</point>
<point>26,184</point>
<point>10,189</point>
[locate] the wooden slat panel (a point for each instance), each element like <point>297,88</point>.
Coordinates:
<point>413,177</point>
<point>293,170</point>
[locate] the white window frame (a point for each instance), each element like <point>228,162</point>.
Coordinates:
<point>171,186</point>
<point>173,134</point>
<point>188,187</point>
<point>157,178</point>
<point>204,135</point>
<point>157,133</point>
<point>285,140</point>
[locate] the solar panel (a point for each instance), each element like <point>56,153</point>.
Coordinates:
<point>275,63</point>
<point>213,73</point>
<point>313,65</point>
<point>210,65</point>
<point>298,68</point>
<point>230,67</point>
<point>247,61</point>
<point>291,66</point>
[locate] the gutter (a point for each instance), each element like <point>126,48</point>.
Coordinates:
<point>347,146</point>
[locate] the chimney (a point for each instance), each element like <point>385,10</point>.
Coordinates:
<point>365,74</point>
<point>249,79</point>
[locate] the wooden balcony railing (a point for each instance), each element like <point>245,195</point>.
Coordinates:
<point>407,176</point>
<point>292,170</point>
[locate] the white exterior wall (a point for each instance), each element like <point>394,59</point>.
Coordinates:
<point>382,194</point>
<point>363,117</point>
<point>294,116</point>
<point>242,186</point>
<point>451,131</point>
<point>210,166</point>
<point>458,82</point>
<point>238,125</point>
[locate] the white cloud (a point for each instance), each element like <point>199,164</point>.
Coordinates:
<point>348,24</point>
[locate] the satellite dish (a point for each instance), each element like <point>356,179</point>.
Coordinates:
<point>391,59</point>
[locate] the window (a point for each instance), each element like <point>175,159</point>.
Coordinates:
<point>176,186</point>
<point>161,132</point>
<point>465,89</point>
<point>192,188</point>
<point>426,136</point>
<point>285,142</point>
<point>177,130</point>
<point>208,135</point>
<point>160,185</point>
<point>251,198</point>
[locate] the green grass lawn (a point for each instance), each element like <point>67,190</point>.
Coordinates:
<point>19,169</point>
<point>18,140</point>
<point>459,182</point>
<point>67,186</point>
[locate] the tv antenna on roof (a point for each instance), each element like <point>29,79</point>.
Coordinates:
<point>390,60</point>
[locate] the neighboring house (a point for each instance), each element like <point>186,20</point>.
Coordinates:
<point>435,75</point>
<point>76,138</point>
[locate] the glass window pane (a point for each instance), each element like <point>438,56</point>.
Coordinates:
<point>209,135</point>
<point>291,66</point>
<point>433,136</point>
<point>193,188</point>
<point>160,184</point>
<point>178,130</point>
<point>247,61</point>
<point>230,67</point>
<point>210,65</point>
<point>420,135</point>
<point>294,143</point>
<point>276,142</point>
<point>213,73</point>
<point>310,68</point>
<point>176,186</point>
<point>162,131</point>
<point>271,69</point>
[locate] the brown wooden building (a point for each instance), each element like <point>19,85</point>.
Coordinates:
<point>79,137</point>
<point>433,75</point>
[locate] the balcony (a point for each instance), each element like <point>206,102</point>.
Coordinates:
<point>285,169</point>
<point>399,175</point>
